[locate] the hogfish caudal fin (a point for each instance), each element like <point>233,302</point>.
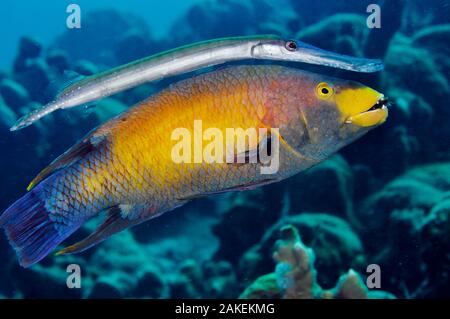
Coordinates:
<point>30,228</point>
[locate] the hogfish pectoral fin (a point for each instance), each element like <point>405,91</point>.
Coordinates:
<point>73,154</point>
<point>115,222</point>
<point>252,152</point>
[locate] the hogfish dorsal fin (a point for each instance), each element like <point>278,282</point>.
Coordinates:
<point>73,154</point>
<point>115,222</point>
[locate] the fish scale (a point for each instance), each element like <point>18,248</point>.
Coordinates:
<point>199,104</point>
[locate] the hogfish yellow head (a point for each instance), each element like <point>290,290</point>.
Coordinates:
<point>358,104</point>
<point>333,113</point>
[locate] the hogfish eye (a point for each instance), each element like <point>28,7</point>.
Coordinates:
<point>291,45</point>
<point>324,90</point>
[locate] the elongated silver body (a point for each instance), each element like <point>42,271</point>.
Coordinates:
<point>190,58</point>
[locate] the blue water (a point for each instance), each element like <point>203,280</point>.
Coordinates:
<point>44,20</point>
<point>383,200</point>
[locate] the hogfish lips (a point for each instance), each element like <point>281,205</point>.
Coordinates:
<point>126,167</point>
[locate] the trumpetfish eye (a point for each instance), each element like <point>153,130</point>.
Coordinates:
<point>324,91</point>
<point>291,45</point>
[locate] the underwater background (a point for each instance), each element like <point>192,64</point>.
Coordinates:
<point>383,200</point>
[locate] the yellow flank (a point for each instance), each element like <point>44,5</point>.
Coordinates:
<point>141,139</point>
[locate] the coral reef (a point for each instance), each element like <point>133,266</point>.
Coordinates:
<point>247,17</point>
<point>126,39</point>
<point>413,211</point>
<point>385,199</point>
<point>13,93</point>
<point>349,32</point>
<point>296,278</point>
<point>332,179</point>
<point>320,232</point>
<point>7,116</point>
<point>237,230</point>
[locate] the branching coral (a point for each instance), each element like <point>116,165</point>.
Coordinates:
<point>295,275</point>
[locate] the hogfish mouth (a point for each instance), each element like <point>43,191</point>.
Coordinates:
<point>375,115</point>
<point>362,106</point>
<point>382,103</point>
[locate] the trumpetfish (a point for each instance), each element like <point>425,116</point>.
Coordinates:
<point>193,57</point>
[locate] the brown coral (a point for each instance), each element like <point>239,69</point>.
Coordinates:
<point>295,275</point>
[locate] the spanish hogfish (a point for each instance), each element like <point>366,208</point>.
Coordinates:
<point>125,167</point>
